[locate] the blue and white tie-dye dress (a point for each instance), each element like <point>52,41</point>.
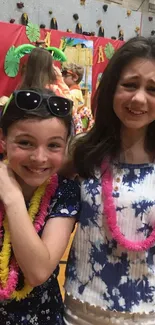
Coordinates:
<point>100,272</point>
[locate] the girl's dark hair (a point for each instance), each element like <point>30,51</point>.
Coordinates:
<point>14,114</point>
<point>103,140</point>
<point>39,70</point>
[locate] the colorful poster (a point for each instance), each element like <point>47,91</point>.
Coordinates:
<point>80,51</point>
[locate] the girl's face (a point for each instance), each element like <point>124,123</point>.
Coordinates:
<point>70,79</point>
<point>36,149</point>
<point>134,99</point>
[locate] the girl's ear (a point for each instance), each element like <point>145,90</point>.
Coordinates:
<point>75,77</point>
<point>2,142</point>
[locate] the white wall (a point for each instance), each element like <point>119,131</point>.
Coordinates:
<point>136,4</point>
<point>63,10</point>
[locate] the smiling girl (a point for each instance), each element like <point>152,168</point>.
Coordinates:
<point>111,268</point>
<point>38,208</point>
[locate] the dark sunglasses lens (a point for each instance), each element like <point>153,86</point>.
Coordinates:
<point>28,100</point>
<point>59,106</point>
<point>64,73</point>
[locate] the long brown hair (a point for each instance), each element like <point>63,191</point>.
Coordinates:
<point>39,70</point>
<point>104,139</point>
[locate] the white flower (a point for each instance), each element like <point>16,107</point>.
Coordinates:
<point>73,213</point>
<point>44,297</point>
<point>64,211</point>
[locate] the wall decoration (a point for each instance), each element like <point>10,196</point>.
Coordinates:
<point>137,30</point>
<point>20,5</point>
<point>152,32</point>
<point>150,18</point>
<point>128,13</point>
<point>113,37</point>
<point>69,30</point>
<point>82,2</point>
<point>99,21</point>
<point>121,35</point>
<point>101,32</point>
<point>11,64</point>
<point>118,26</point>
<point>24,19</point>
<point>50,12</point>
<point>98,57</point>
<point>12,20</point>
<point>105,8</point>
<point>109,50</point>
<point>86,33</point>
<point>54,24</point>
<point>32,32</point>
<point>78,29</point>
<point>76,16</point>
<point>42,26</point>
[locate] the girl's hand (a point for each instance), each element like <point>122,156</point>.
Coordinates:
<point>9,187</point>
<point>57,72</point>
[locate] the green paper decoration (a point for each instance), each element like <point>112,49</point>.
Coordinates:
<point>11,64</point>
<point>21,50</point>
<point>13,56</point>
<point>32,32</point>
<point>109,50</point>
<point>57,54</point>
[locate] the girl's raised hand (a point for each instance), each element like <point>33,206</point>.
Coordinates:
<point>8,185</point>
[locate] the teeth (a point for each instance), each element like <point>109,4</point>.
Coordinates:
<point>136,112</point>
<point>37,171</point>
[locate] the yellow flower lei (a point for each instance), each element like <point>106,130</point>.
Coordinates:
<point>5,253</point>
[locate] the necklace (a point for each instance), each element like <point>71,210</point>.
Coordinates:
<point>110,213</point>
<point>9,269</point>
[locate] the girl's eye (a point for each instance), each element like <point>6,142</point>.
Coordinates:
<point>54,145</point>
<point>24,143</point>
<point>152,89</point>
<point>129,85</point>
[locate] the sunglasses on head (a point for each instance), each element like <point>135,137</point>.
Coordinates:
<point>28,100</point>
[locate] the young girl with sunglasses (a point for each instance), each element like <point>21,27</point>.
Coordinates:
<point>38,208</point>
<point>111,268</point>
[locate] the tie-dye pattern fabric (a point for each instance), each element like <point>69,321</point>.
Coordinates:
<point>102,273</point>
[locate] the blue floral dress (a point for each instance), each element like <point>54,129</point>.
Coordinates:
<point>99,271</point>
<point>44,305</point>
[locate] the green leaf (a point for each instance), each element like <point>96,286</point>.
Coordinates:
<point>109,50</point>
<point>70,41</point>
<point>32,32</point>
<point>23,49</point>
<point>11,63</point>
<point>57,54</point>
